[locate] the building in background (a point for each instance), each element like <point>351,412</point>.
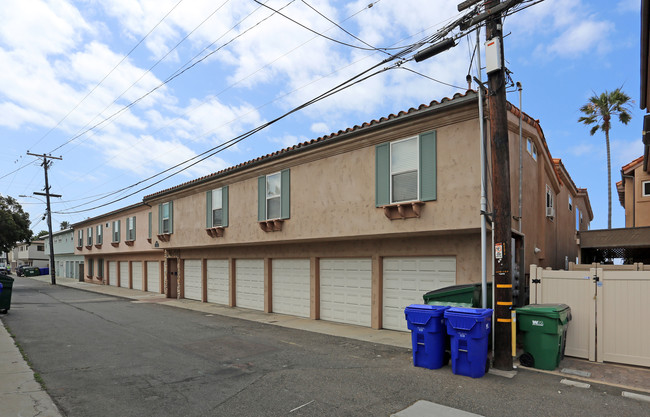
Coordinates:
<point>68,265</point>
<point>30,254</point>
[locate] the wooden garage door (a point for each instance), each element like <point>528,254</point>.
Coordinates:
<point>291,286</point>
<point>218,281</point>
<point>192,277</point>
<point>249,283</point>
<point>136,269</point>
<point>124,274</point>
<point>153,276</point>
<point>112,273</point>
<point>345,290</point>
<point>406,280</point>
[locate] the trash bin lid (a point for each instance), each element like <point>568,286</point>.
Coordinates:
<point>425,307</point>
<point>468,312</point>
<point>555,311</point>
<point>452,289</point>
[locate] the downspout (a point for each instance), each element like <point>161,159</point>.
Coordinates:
<point>521,161</point>
<point>483,180</point>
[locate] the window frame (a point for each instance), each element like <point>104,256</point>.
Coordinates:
<point>115,235</point>
<point>277,197</point>
<point>392,173</point>
<point>570,204</point>
<point>216,194</point>
<point>80,238</point>
<point>164,230</point>
<point>100,234</point>
<point>550,201</point>
<point>89,236</point>
<point>643,188</point>
<point>130,229</point>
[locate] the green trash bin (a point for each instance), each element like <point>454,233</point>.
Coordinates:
<point>31,271</point>
<point>544,328</point>
<point>463,295</point>
<point>5,296</point>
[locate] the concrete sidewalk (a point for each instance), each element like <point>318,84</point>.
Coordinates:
<point>21,395</point>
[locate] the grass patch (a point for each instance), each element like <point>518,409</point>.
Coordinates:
<point>37,376</point>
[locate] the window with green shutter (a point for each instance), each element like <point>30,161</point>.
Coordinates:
<point>166,218</point>
<point>274,196</point>
<point>116,231</point>
<point>405,170</point>
<point>217,208</point>
<point>100,237</point>
<point>130,228</point>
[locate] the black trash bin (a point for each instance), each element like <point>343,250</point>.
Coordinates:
<point>5,296</point>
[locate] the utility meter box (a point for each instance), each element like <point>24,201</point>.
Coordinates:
<point>493,55</point>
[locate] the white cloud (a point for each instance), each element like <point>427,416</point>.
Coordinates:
<point>584,37</point>
<point>320,128</point>
<point>628,6</point>
<point>289,140</point>
<point>624,152</point>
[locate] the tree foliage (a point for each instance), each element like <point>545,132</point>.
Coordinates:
<point>14,224</point>
<point>64,225</point>
<point>41,234</point>
<point>598,113</point>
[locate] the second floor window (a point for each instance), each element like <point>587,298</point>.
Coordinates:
<point>645,188</point>
<point>89,237</point>
<point>166,217</point>
<point>100,237</point>
<point>116,231</point>
<point>549,202</point>
<point>404,170</point>
<point>80,238</point>
<point>130,228</point>
<point>217,208</point>
<point>274,192</point>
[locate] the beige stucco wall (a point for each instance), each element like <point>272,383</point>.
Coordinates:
<point>333,192</point>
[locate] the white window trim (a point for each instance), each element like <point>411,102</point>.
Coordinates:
<point>643,193</point>
<point>115,232</point>
<point>165,229</point>
<point>549,193</point>
<point>417,169</point>
<point>570,203</point>
<point>278,196</point>
<point>220,194</point>
<point>130,229</point>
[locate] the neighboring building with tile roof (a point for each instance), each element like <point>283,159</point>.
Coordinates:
<point>634,193</point>
<point>353,226</point>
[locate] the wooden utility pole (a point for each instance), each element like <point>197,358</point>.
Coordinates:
<point>49,211</point>
<point>500,198</point>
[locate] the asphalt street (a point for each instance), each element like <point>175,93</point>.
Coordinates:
<point>105,356</point>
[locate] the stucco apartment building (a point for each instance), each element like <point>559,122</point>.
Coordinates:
<point>350,227</point>
<point>30,254</point>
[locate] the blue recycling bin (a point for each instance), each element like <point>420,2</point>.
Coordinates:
<point>428,334</point>
<point>469,330</point>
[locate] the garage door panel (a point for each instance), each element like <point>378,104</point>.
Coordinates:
<point>124,274</point>
<point>192,278</point>
<point>250,283</point>
<point>406,280</point>
<point>218,277</point>
<point>345,286</point>
<point>153,276</point>
<point>136,269</point>
<point>291,286</point>
<point>112,273</point>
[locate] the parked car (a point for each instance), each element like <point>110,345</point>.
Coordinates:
<point>4,271</point>
<point>19,270</point>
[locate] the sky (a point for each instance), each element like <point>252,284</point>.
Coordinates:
<point>123,90</point>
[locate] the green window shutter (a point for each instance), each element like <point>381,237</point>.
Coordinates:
<point>285,191</point>
<point>261,199</point>
<point>134,229</point>
<point>208,209</point>
<point>119,230</point>
<point>149,225</point>
<point>428,171</point>
<point>171,217</point>
<point>224,206</point>
<point>160,219</point>
<point>382,174</point>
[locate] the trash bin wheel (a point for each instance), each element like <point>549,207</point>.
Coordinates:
<point>527,360</point>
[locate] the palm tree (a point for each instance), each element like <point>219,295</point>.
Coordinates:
<point>598,113</point>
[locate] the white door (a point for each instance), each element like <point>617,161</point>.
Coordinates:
<point>192,277</point>
<point>291,287</point>
<point>406,280</point>
<point>136,269</point>
<point>112,273</point>
<point>345,290</point>
<point>249,288</point>
<point>153,276</point>
<point>124,274</point>
<point>218,281</point>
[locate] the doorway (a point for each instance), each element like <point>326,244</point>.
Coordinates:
<point>172,278</point>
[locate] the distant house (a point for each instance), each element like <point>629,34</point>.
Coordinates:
<point>350,227</point>
<point>67,264</point>
<point>30,254</point>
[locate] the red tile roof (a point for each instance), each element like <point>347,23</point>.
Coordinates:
<point>632,165</point>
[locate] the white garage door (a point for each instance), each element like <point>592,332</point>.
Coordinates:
<point>291,287</point>
<point>153,276</point>
<point>218,281</point>
<point>249,288</point>
<point>406,280</point>
<point>136,269</point>
<point>124,274</point>
<point>345,290</point>
<point>192,277</point>
<point>112,273</point>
